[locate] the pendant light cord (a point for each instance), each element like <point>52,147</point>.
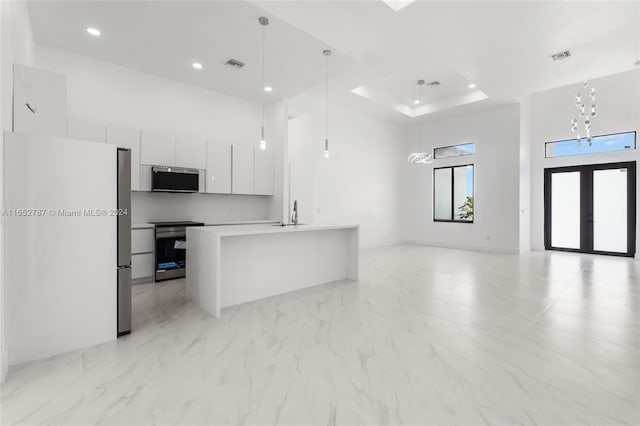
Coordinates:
<point>263,80</point>
<point>327,99</point>
<point>326,53</point>
<point>420,83</point>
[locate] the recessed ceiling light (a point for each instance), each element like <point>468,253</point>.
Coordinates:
<point>268,89</point>
<point>472,86</point>
<point>197,65</point>
<point>416,102</point>
<point>93,31</point>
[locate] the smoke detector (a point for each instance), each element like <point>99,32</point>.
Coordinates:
<point>561,55</point>
<point>234,63</point>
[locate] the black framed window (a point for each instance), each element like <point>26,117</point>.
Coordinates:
<point>453,198</point>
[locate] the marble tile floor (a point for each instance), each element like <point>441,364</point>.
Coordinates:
<point>428,336</point>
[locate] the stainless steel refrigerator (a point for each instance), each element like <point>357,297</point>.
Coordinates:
<point>124,241</point>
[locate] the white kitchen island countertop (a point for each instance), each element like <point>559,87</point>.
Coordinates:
<point>229,265</point>
<point>256,229</point>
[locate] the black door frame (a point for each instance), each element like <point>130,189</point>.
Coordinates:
<point>586,206</point>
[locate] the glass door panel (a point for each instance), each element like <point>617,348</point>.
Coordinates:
<point>442,194</point>
<point>591,208</point>
<point>610,210</point>
<point>565,210</point>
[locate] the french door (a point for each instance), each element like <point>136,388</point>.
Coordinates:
<point>591,208</point>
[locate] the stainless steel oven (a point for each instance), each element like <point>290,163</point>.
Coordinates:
<point>171,240</point>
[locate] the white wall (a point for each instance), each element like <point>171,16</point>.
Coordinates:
<point>525,175</point>
<point>358,184</point>
<point>618,102</point>
<point>496,173</point>
<point>16,46</point>
<point>302,161</point>
<point>102,93</point>
<point>277,134</point>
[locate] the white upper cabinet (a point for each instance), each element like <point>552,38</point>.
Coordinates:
<point>191,152</point>
<point>39,102</point>
<point>125,137</point>
<point>145,177</point>
<point>263,172</point>
<point>242,170</point>
<point>86,131</point>
<point>218,179</point>
<point>157,149</point>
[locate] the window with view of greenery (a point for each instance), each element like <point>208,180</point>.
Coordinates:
<point>453,194</point>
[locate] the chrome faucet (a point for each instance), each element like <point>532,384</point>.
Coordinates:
<point>294,217</point>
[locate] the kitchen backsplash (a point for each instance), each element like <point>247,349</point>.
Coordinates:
<point>206,208</point>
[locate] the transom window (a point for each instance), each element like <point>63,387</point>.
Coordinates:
<point>599,144</point>
<point>454,151</point>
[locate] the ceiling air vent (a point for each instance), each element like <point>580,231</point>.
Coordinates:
<point>561,55</point>
<point>234,63</point>
<point>433,83</point>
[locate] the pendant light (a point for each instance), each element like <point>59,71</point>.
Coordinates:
<point>421,157</point>
<point>326,53</point>
<point>587,117</point>
<point>263,141</point>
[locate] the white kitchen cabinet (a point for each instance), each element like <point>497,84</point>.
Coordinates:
<point>126,137</point>
<point>142,266</point>
<point>145,177</point>
<point>142,240</point>
<point>263,172</point>
<point>39,102</point>
<point>202,181</point>
<point>242,169</point>
<point>191,152</point>
<point>218,168</point>
<point>157,149</point>
<point>86,131</point>
<point>142,254</point>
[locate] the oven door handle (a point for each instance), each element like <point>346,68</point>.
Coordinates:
<point>170,234</point>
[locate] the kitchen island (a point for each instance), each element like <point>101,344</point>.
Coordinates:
<point>229,265</point>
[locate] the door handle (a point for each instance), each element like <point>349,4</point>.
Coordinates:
<point>32,109</point>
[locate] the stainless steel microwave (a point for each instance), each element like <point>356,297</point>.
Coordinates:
<point>174,179</point>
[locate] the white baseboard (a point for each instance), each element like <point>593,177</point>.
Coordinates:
<point>485,249</point>
<point>5,366</point>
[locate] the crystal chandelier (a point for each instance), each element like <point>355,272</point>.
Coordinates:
<point>583,92</point>
<point>420,157</point>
